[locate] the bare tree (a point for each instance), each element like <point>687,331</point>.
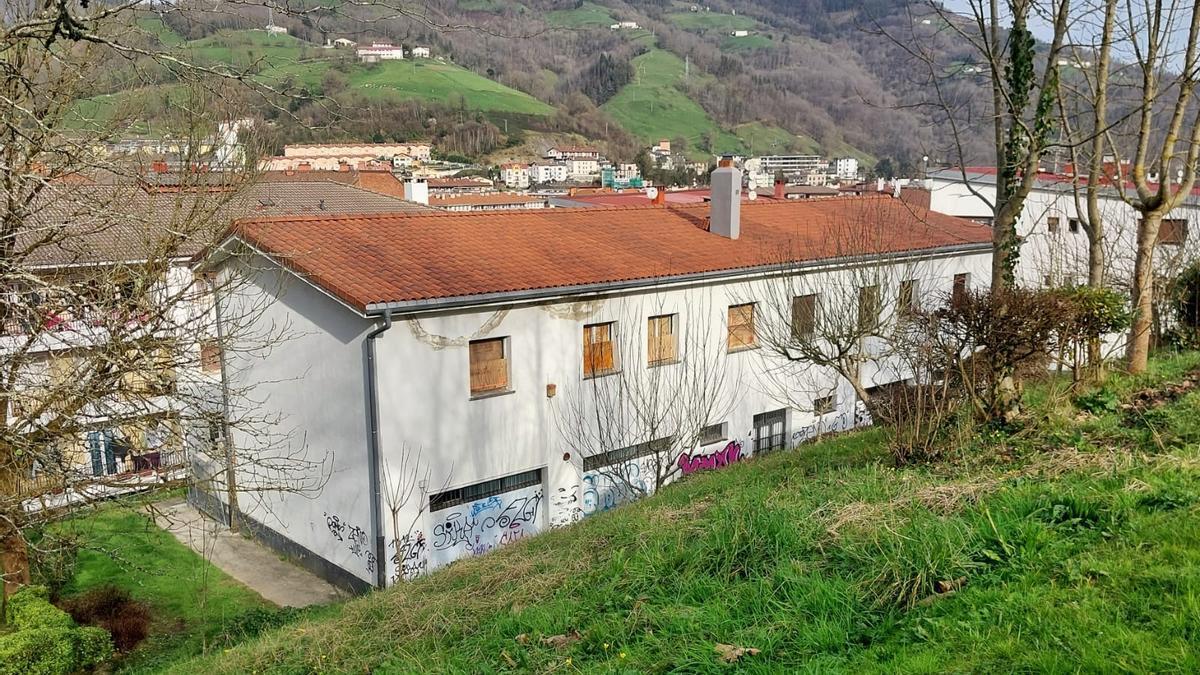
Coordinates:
<point>654,378</point>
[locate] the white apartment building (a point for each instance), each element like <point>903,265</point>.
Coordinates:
<point>789,164</point>
<point>547,172</point>
<point>416,150</point>
<point>845,168</point>
<point>1054,245</point>
<point>515,175</point>
<point>583,169</point>
<point>470,384</point>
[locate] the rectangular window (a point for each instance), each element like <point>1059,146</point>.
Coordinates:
<point>661,343</point>
<point>961,284</point>
<point>627,454</point>
<point>804,317</point>
<point>868,308</point>
<point>825,405</point>
<point>906,302</point>
<point>741,327</point>
<point>1073,225</point>
<point>488,488</point>
<point>210,357</point>
<point>1052,223</point>
<point>770,432</point>
<point>489,366</point>
<point>598,351</point>
<point>714,433</point>
<point>1173,231</point>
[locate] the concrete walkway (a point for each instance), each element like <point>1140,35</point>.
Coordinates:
<point>243,559</point>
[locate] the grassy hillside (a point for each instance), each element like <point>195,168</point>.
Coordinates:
<point>714,21</point>
<point>1071,546</point>
<point>436,81</point>
<point>247,48</point>
<point>654,107</point>
<point>588,15</point>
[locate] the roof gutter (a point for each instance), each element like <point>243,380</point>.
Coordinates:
<point>457,302</point>
<point>374,452</point>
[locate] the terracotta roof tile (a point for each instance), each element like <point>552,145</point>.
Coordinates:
<point>372,259</point>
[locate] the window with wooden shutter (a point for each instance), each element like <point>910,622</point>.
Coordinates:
<point>906,303</point>
<point>959,294</point>
<point>210,357</point>
<point>868,308</point>
<point>661,343</point>
<point>1173,231</point>
<point>804,317</point>
<point>741,327</point>
<point>598,358</point>
<point>489,366</point>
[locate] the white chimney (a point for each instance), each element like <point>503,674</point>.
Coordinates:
<point>879,184</point>
<point>725,207</point>
<point>417,190</point>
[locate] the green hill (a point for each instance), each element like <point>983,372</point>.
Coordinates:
<point>1071,546</point>
<point>587,15</point>
<point>653,107</point>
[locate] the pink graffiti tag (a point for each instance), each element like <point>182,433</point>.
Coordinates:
<point>731,453</point>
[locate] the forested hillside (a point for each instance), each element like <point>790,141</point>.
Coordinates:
<point>751,76</point>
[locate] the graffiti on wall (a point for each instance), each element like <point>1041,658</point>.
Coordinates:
<point>612,486</point>
<point>732,452</point>
<point>828,424</point>
<point>408,557</point>
<point>565,507</point>
<point>353,536</point>
<point>476,528</point>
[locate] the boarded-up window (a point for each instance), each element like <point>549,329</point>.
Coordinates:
<point>868,308</point>
<point>1052,223</point>
<point>741,327</point>
<point>961,283</point>
<point>210,357</point>
<point>661,343</point>
<point>598,349</point>
<point>804,317</point>
<point>1173,231</point>
<point>824,405</point>
<point>489,366</point>
<point>906,302</point>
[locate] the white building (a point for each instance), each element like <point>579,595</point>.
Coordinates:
<point>547,172</point>
<point>583,169</point>
<point>417,150</point>
<point>739,33</point>
<point>420,52</point>
<point>845,168</point>
<point>624,25</point>
<point>797,165</point>
<point>573,152</point>
<point>379,51</point>
<point>457,383</point>
<point>515,175</point>
<point>344,43</point>
<point>1054,245</point>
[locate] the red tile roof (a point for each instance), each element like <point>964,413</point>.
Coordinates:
<point>368,260</point>
<point>487,199</point>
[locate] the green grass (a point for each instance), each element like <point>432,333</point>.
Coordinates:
<point>251,49</point>
<point>748,43</point>
<point>444,82</point>
<point>153,25</point>
<point>654,107</point>
<point>191,600</point>
<point>589,15</point>
<point>705,21</point>
<point>1076,541</point>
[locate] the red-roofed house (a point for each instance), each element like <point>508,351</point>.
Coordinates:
<point>457,347</point>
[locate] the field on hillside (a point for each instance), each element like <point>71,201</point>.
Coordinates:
<point>652,107</point>
<point>247,48</point>
<point>711,21</point>
<point>588,15</point>
<point>748,43</point>
<point>1071,545</point>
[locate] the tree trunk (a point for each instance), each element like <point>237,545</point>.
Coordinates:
<point>1142,293</point>
<point>14,560</point>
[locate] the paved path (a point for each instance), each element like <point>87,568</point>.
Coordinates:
<point>243,559</point>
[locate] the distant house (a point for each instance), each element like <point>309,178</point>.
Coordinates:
<point>583,169</point>
<point>572,152</point>
<point>846,168</point>
<point>624,25</point>
<point>420,52</point>
<point>515,175</point>
<point>344,43</point>
<point>380,51</point>
<point>419,150</point>
<point>740,33</point>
